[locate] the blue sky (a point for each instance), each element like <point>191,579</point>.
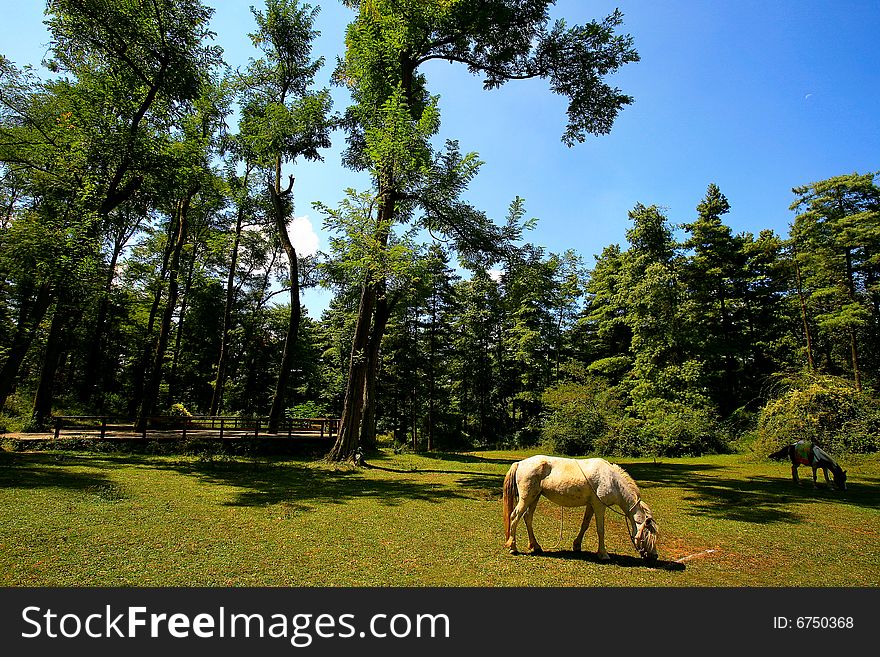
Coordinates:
<point>755,96</point>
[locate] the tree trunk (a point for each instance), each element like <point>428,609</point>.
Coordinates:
<point>95,360</point>
<point>352,410</point>
<point>151,391</point>
<point>178,337</point>
<point>432,373</point>
<point>29,318</point>
<point>853,340</point>
<point>141,370</point>
<point>803,304</point>
<point>380,322</point>
<point>280,206</point>
<point>353,407</point>
<point>217,397</point>
<point>54,346</point>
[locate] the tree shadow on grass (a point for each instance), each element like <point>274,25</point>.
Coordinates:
<point>756,498</point>
<point>49,471</point>
<point>267,484</point>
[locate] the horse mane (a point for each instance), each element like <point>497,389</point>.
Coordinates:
<point>627,480</point>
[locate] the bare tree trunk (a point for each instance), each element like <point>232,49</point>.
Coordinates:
<point>95,361</point>
<point>141,370</point>
<point>280,206</point>
<point>217,397</point>
<point>45,395</point>
<point>353,409</point>
<point>151,390</point>
<point>178,337</point>
<point>432,373</point>
<point>380,322</point>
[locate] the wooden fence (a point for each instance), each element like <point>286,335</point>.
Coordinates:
<point>228,426</point>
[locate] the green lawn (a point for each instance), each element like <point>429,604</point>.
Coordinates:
<point>80,519</point>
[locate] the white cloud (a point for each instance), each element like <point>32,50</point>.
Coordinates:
<point>302,234</point>
<point>495,275</point>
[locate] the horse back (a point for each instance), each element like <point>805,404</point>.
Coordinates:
<point>823,458</point>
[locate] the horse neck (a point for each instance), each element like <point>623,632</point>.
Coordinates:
<point>825,459</point>
<point>628,494</point>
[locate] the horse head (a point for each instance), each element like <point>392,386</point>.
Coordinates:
<point>645,540</point>
<point>839,477</point>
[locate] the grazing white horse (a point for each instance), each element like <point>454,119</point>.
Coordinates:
<point>594,483</point>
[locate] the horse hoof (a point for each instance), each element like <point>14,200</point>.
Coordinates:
<point>604,557</point>
<point>513,550</point>
<point>537,550</point>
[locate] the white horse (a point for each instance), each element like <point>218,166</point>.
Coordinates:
<point>594,483</point>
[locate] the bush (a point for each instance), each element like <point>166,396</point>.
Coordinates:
<point>675,429</point>
<point>826,410</point>
<point>179,410</point>
<point>577,416</point>
<point>622,437</point>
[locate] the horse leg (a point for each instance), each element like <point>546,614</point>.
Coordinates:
<point>794,474</point>
<point>600,530</point>
<point>534,546</point>
<point>585,524</point>
<point>514,521</point>
<point>519,511</point>
<point>815,467</point>
<point>827,481</point>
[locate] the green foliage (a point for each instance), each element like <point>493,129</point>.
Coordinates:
<point>587,417</point>
<point>578,416</point>
<point>826,410</point>
<point>307,409</point>
<point>670,428</point>
<point>179,410</point>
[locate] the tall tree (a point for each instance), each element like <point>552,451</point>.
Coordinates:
<point>394,117</point>
<point>192,182</point>
<point>710,274</point>
<point>836,234</point>
<point>284,120</point>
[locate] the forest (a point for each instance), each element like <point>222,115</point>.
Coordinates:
<point>147,268</point>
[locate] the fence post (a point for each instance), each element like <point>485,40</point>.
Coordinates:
<point>103,426</point>
<point>57,420</point>
<point>221,428</point>
<point>185,421</point>
<point>146,422</point>
<point>257,428</point>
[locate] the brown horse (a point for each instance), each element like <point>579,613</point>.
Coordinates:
<point>806,453</point>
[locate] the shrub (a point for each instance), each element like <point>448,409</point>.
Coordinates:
<point>576,416</point>
<point>179,410</point>
<point>622,437</point>
<point>824,409</point>
<point>675,429</point>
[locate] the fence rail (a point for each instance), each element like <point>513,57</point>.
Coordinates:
<point>313,427</point>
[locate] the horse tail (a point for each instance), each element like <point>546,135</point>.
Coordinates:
<point>509,496</point>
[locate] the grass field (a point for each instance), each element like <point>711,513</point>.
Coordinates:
<point>85,519</point>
